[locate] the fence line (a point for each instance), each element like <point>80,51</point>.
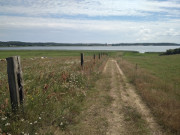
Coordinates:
<point>15,80</point>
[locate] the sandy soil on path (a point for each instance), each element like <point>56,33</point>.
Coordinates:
<point>124,96</point>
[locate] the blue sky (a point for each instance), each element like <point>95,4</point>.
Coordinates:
<point>90,21</point>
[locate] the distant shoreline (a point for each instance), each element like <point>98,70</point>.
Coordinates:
<point>28,44</point>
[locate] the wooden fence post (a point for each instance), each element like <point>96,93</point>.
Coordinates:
<point>82,59</point>
<point>136,66</point>
<point>15,80</point>
<point>94,58</point>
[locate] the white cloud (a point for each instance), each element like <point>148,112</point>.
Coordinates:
<point>140,31</point>
<point>42,15</point>
<point>171,32</point>
<point>89,7</point>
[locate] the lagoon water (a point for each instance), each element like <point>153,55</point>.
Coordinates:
<point>140,49</point>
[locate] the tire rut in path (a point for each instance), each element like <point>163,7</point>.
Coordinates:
<point>114,116</point>
<point>124,94</point>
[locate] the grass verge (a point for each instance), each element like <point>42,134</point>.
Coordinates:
<point>157,80</point>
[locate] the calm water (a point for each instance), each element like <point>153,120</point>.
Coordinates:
<point>140,49</point>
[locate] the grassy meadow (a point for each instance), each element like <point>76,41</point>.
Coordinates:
<point>55,88</point>
<point>47,53</point>
<point>157,79</point>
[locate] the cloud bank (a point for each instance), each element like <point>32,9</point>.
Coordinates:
<point>108,21</point>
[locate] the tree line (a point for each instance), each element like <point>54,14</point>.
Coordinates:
<point>18,43</point>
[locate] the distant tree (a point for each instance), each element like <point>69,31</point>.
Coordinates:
<point>172,51</point>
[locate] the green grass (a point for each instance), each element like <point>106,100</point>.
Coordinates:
<point>166,68</point>
<point>48,53</point>
<point>157,80</point>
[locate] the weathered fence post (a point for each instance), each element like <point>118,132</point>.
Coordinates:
<point>82,59</point>
<point>94,58</point>
<point>15,80</point>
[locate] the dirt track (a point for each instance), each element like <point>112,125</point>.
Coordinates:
<point>114,108</point>
<point>126,101</point>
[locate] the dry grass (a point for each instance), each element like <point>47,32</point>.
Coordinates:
<point>159,95</point>
<point>55,89</point>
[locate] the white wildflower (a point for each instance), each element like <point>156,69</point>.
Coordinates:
<point>40,118</point>
<point>30,123</point>
<point>4,118</point>
<point>61,124</point>
<point>22,119</point>
<point>7,124</point>
<point>35,122</point>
